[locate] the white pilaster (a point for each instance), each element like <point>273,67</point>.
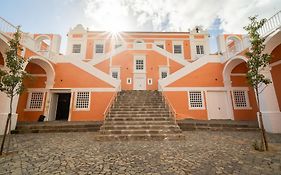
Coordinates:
<point>269,106</point>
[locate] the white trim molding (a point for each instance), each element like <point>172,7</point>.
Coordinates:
<point>200,101</point>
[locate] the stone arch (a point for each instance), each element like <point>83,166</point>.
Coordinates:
<point>47,66</point>
<point>272,41</point>
<point>233,44</point>
<point>43,43</point>
<point>4,45</point>
<point>229,66</point>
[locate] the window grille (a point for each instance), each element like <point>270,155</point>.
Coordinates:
<point>200,49</point>
<point>139,65</point>
<point>164,74</point>
<point>99,48</point>
<point>76,48</point>
<point>36,100</point>
<point>195,99</point>
<point>82,100</point>
<point>240,99</point>
<point>115,75</point>
<point>177,49</point>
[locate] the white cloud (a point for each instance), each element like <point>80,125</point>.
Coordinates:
<point>175,15</point>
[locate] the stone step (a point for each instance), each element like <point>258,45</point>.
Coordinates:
<point>25,127</point>
<point>131,137</point>
<point>137,115</point>
<point>136,127</point>
<point>140,131</point>
<point>138,109</point>
<point>140,122</point>
<point>139,119</point>
<point>139,112</point>
<point>55,130</point>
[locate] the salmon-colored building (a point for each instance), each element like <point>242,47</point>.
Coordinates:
<point>80,85</point>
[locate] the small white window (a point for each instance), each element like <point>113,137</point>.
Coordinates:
<point>129,80</point>
<point>240,98</point>
<point>177,49</point>
<point>115,74</point>
<point>82,100</point>
<point>160,46</point>
<point>99,48</point>
<point>200,49</point>
<point>76,48</point>
<point>149,81</point>
<point>196,100</point>
<point>36,101</point>
<point>139,64</point>
<point>117,46</point>
<point>164,74</point>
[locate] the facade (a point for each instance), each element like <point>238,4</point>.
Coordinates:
<point>80,85</point>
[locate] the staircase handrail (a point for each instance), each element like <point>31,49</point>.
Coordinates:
<point>169,105</point>
<point>271,24</point>
<point>110,104</point>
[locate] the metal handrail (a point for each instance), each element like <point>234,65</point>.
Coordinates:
<point>110,104</point>
<point>170,107</point>
<point>7,27</point>
<point>271,24</point>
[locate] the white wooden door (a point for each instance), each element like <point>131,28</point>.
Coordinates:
<point>217,105</point>
<point>139,83</point>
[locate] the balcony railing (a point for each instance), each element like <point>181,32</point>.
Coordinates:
<point>6,27</point>
<point>271,24</point>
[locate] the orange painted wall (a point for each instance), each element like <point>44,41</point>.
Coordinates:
<point>276,72</point>
<point>89,49</point>
<point>126,62</point>
<point>212,73</point>
<point>99,102</point>
<point>241,81</point>
<point>179,101</point>
<point>70,76</point>
<point>174,66</point>
<point>103,66</point>
<point>1,59</point>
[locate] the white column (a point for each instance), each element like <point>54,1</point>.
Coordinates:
<point>269,105</point>
<point>229,110</point>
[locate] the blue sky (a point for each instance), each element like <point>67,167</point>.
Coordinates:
<point>57,16</point>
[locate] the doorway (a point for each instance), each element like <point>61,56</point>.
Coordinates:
<point>63,103</point>
<point>217,105</point>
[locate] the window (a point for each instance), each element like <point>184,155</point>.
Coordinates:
<point>177,49</point>
<point>160,46</point>
<point>99,48</point>
<point>117,46</point>
<point>149,81</point>
<point>129,80</point>
<point>196,100</point>
<point>164,74</point>
<point>200,49</point>
<point>82,100</point>
<point>115,74</point>
<point>76,48</point>
<point>240,99</point>
<point>139,64</point>
<point>36,100</point>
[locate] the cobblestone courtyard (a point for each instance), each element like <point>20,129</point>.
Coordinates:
<point>203,152</point>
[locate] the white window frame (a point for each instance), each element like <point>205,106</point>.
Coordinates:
<point>247,107</point>
<point>202,99</point>
<point>139,44</point>
<point>29,101</point>
<point>160,43</point>
<point>149,81</point>
<point>139,57</point>
<point>116,69</point>
<point>129,80</point>
<point>89,102</point>
<point>99,42</point>
<point>163,69</point>
<point>178,43</point>
<point>76,44</point>
<point>201,49</point>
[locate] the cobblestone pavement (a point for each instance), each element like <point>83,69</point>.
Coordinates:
<point>203,152</point>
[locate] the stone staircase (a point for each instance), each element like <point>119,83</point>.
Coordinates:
<point>139,115</point>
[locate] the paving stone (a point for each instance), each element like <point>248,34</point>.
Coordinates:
<point>203,152</point>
